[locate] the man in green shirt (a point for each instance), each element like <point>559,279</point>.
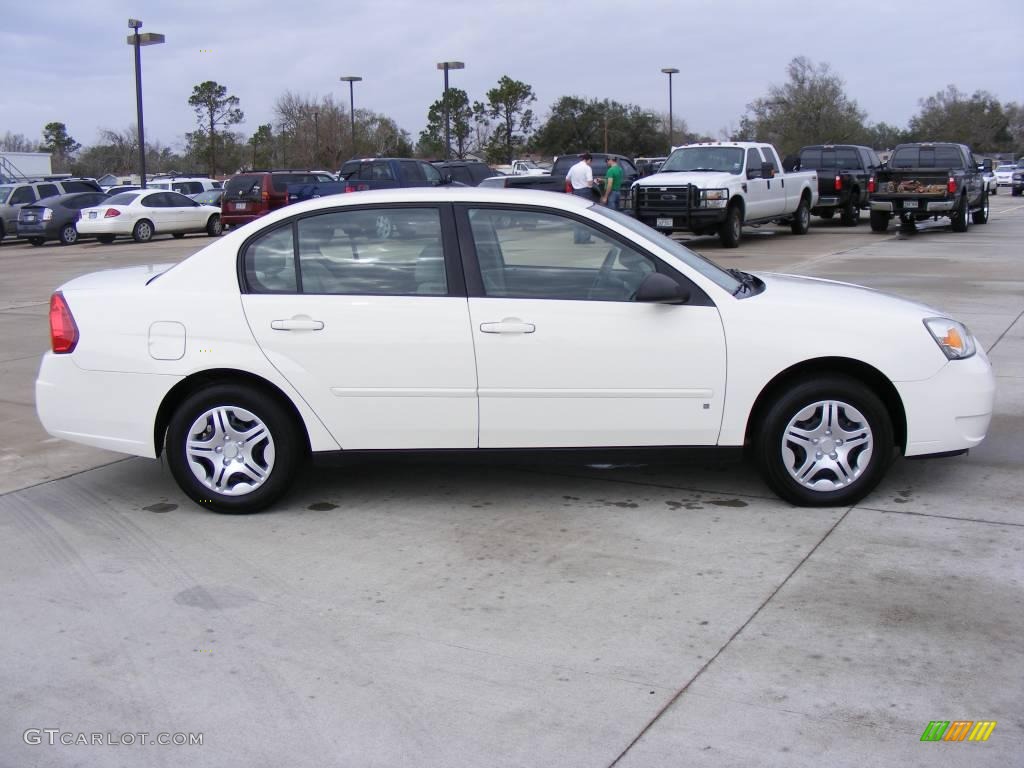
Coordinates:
<point>612,182</point>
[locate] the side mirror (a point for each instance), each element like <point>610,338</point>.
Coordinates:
<point>447,179</point>
<point>657,288</point>
<point>754,173</point>
<point>986,165</point>
<point>767,170</point>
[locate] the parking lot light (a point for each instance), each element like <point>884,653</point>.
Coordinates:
<point>137,41</point>
<point>351,80</point>
<point>670,71</point>
<point>446,65</point>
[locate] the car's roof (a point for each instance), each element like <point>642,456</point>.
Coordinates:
<point>432,195</point>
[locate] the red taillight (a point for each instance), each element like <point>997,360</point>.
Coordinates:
<point>111,213</point>
<point>871,184</point>
<point>839,182</point>
<point>63,330</point>
<point>951,186</point>
<point>350,188</point>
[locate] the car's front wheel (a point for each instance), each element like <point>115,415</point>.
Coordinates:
<point>824,443</point>
<point>232,448</point>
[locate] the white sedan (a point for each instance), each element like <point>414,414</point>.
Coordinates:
<point>310,334</point>
<point>142,213</point>
<point>1004,174</point>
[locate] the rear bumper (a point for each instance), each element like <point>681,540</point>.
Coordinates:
<point>923,206</point>
<point>41,229</point>
<point>115,411</point>
<point>952,410</point>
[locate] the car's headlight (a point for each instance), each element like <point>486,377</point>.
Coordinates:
<point>953,338</point>
<point>715,198</point>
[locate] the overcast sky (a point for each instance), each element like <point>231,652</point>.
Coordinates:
<point>69,61</point>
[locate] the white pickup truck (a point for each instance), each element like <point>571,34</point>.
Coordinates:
<point>721,186</point>
<point>522,168</point>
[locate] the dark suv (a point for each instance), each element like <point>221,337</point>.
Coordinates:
<point>389,173</point>
<point>468,172</point>
<point>252,194</point>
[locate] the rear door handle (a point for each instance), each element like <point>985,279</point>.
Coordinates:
<point>298,323</point>
<point>508,325</point>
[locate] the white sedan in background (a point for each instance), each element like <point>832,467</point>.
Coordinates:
<point>142,213</point>
<point>1004,174</point>
<point>308,334</point>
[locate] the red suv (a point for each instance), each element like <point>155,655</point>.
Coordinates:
<point>252,194</point>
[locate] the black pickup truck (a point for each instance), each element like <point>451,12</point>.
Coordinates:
<point>928,180</point>
<point>555,181</point>
<point>843,174</point>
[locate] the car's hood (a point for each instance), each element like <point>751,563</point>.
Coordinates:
<point>122,279</point>
<point>827,297</point>
<point>701,179</point>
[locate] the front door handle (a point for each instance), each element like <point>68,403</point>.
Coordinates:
<point>297,323</point>
<point>508,325</point>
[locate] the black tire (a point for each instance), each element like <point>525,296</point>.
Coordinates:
<point>68,234</point>
<point>850,213</point>
<point>143,231</point>
<point>213,226</point>
<point>774,453</point>
<point>730,231</point>
<point>801,222</point>
<point>879,221</point>
<point>994,191</point>
<point>105,239</point>
<point>177,235</point>
<point>980,216</point>
<point>36,241</point>
<point>287,448</point>
<point>828,213</point>
<point>960,218</point>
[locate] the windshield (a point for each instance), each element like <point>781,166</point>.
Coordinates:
<point>727,159</point>
<point>5,192</point>
<point>705,266</point>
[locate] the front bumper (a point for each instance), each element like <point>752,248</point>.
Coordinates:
<point>952,410</point>
<point>695,218</point>
<point>116,411</point>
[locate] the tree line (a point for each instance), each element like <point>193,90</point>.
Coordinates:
<point>811,106</point>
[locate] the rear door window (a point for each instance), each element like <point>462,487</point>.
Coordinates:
<point>47,190</point>
<point>412,173</point>
<point>380,170</point>
<point>22,196</point>
<point>810,160</point>
<point>461,174</point>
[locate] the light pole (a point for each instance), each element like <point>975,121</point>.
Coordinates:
<point>137,40</point>
<point>670,71</point>
<point>316,137</point>
<point>446,65</point>
<point>351,80</point>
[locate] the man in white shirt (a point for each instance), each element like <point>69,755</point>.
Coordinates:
<point>581,177</point>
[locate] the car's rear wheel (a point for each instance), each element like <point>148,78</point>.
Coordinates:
<point>824,442</point>
<point>143,231</point>
<point>980,216</point>
<point>850,214</point>
<point>68,234</point>
<point>879,221</point>
<point>213,227</point>
<point>960,217</point>
<point>105,239</point>
<point>232,448</point>
<point>801,222</point>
